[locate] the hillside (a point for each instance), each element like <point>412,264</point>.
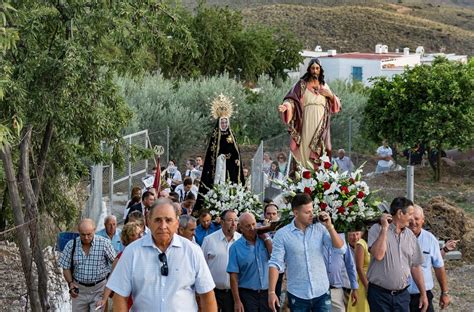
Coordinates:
<point>359,27</point>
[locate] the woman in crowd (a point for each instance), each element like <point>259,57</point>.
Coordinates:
<point>362,259</point>
<point>130,233</point>
<point>274,174</point>
<point>267,163</point>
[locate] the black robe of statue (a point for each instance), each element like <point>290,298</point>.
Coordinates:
<point>221,142</point>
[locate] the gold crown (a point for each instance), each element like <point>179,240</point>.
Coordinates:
<point>221,106</point>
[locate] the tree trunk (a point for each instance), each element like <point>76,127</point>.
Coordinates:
<point>32,216</point>
<point>3,210</point>
<point>41,161</point>
<point>21,231</point>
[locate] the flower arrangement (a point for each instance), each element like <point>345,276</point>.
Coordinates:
<point>231,196</point>
<point>344,196</point>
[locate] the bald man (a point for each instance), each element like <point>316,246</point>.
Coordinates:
<point>111,232</point>
<point>86,275</point>
<point>248,267</point>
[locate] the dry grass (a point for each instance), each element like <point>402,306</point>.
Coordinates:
<point>360,27</point>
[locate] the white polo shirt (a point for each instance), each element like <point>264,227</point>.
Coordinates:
<point>138,274</point>
<point>216,252</point>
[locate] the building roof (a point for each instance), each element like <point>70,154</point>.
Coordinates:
<point>367,56</point>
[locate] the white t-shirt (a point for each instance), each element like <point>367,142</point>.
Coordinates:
<point>384,152</point>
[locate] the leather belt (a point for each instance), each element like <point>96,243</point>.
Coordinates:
<point>91,284</point>
<point>388,291</point>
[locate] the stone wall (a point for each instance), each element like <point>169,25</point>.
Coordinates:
<point>13,293</point>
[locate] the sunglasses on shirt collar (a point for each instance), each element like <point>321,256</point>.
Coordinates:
<point>164,267</point>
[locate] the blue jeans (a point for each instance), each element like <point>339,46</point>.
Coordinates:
<point>318,304</point>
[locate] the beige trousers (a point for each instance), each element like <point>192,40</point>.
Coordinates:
<point>338,300</point>
<point>88,297</point>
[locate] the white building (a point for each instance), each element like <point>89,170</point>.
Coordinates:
<point>363,66</point>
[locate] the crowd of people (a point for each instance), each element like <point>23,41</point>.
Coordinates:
<point>165,259</point>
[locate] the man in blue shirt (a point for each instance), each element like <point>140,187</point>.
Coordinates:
<point>299,247</point>
<point>205,227</point>
<point>111,232</point>
<point>248,267</point>
<point>337,267</point>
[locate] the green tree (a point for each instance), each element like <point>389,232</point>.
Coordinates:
<point>429,104</point>
<point>61,87</point>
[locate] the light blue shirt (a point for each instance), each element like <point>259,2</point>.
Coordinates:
<point>201,233</point>
<point>302,252</point>
<point>138,274</point>
<point>431,258</point>
<point>337,265</point>
<point>115,241</point>
<point>250,262</point>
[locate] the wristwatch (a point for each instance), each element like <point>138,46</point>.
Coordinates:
<point>444,293</point>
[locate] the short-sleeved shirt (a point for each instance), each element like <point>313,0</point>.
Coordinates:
<point>115,240</point>
<point>301,252</point>
<point>403,253</point>
<point>250,261</point>
<point>216,252</point>
<point>138,274</point>
<point>89,268</point>
<point>432,258</point>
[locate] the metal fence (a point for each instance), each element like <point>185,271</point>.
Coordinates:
<point>110,186</point>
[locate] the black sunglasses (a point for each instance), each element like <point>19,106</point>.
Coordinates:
<point>164,267</point>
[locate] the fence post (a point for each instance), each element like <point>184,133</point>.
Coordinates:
<point>111,185</point>
<point>410,182</point>
<point>146,160</point>
<point>167,145</point>
<point>129,165</point>
<point>350,136</point>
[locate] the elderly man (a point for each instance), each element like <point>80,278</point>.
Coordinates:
<point>187,227</point>
<point>343,162</point>
<point>298,247</point>
<point>216,251</point>
<point>162,271</point>
<point>248,267</point>
<point>110,231</point>
<point>395,254</point>
<point>432,258</point>
<point>86,274</point>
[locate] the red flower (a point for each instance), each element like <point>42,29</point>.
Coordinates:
<point>327,165</point>
<point>307,190</point>
<point>323,206</point>
<point>307,175</point>
<point>360,194</point>
<point>352,180</point>
<point>350,204</point>
<point>340,210</point>
<point>326,185</point>
<point>344,189</point>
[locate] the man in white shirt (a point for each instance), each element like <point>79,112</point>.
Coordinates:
<point>162,271</point>
<point>384,157</point>
<point>343,162</point>
<point>216,252</point>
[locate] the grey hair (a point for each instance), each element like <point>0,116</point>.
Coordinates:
<point>184,220</point>
<point>417,207</point>
<point>162,202</point>
<point>109,217</point>
<point>341,150</point>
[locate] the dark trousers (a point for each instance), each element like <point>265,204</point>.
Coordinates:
<point>254,300</point>
<point>381,300</point>
<point>225,301</point>
<point>318,304</point>
<point>415,301</point>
